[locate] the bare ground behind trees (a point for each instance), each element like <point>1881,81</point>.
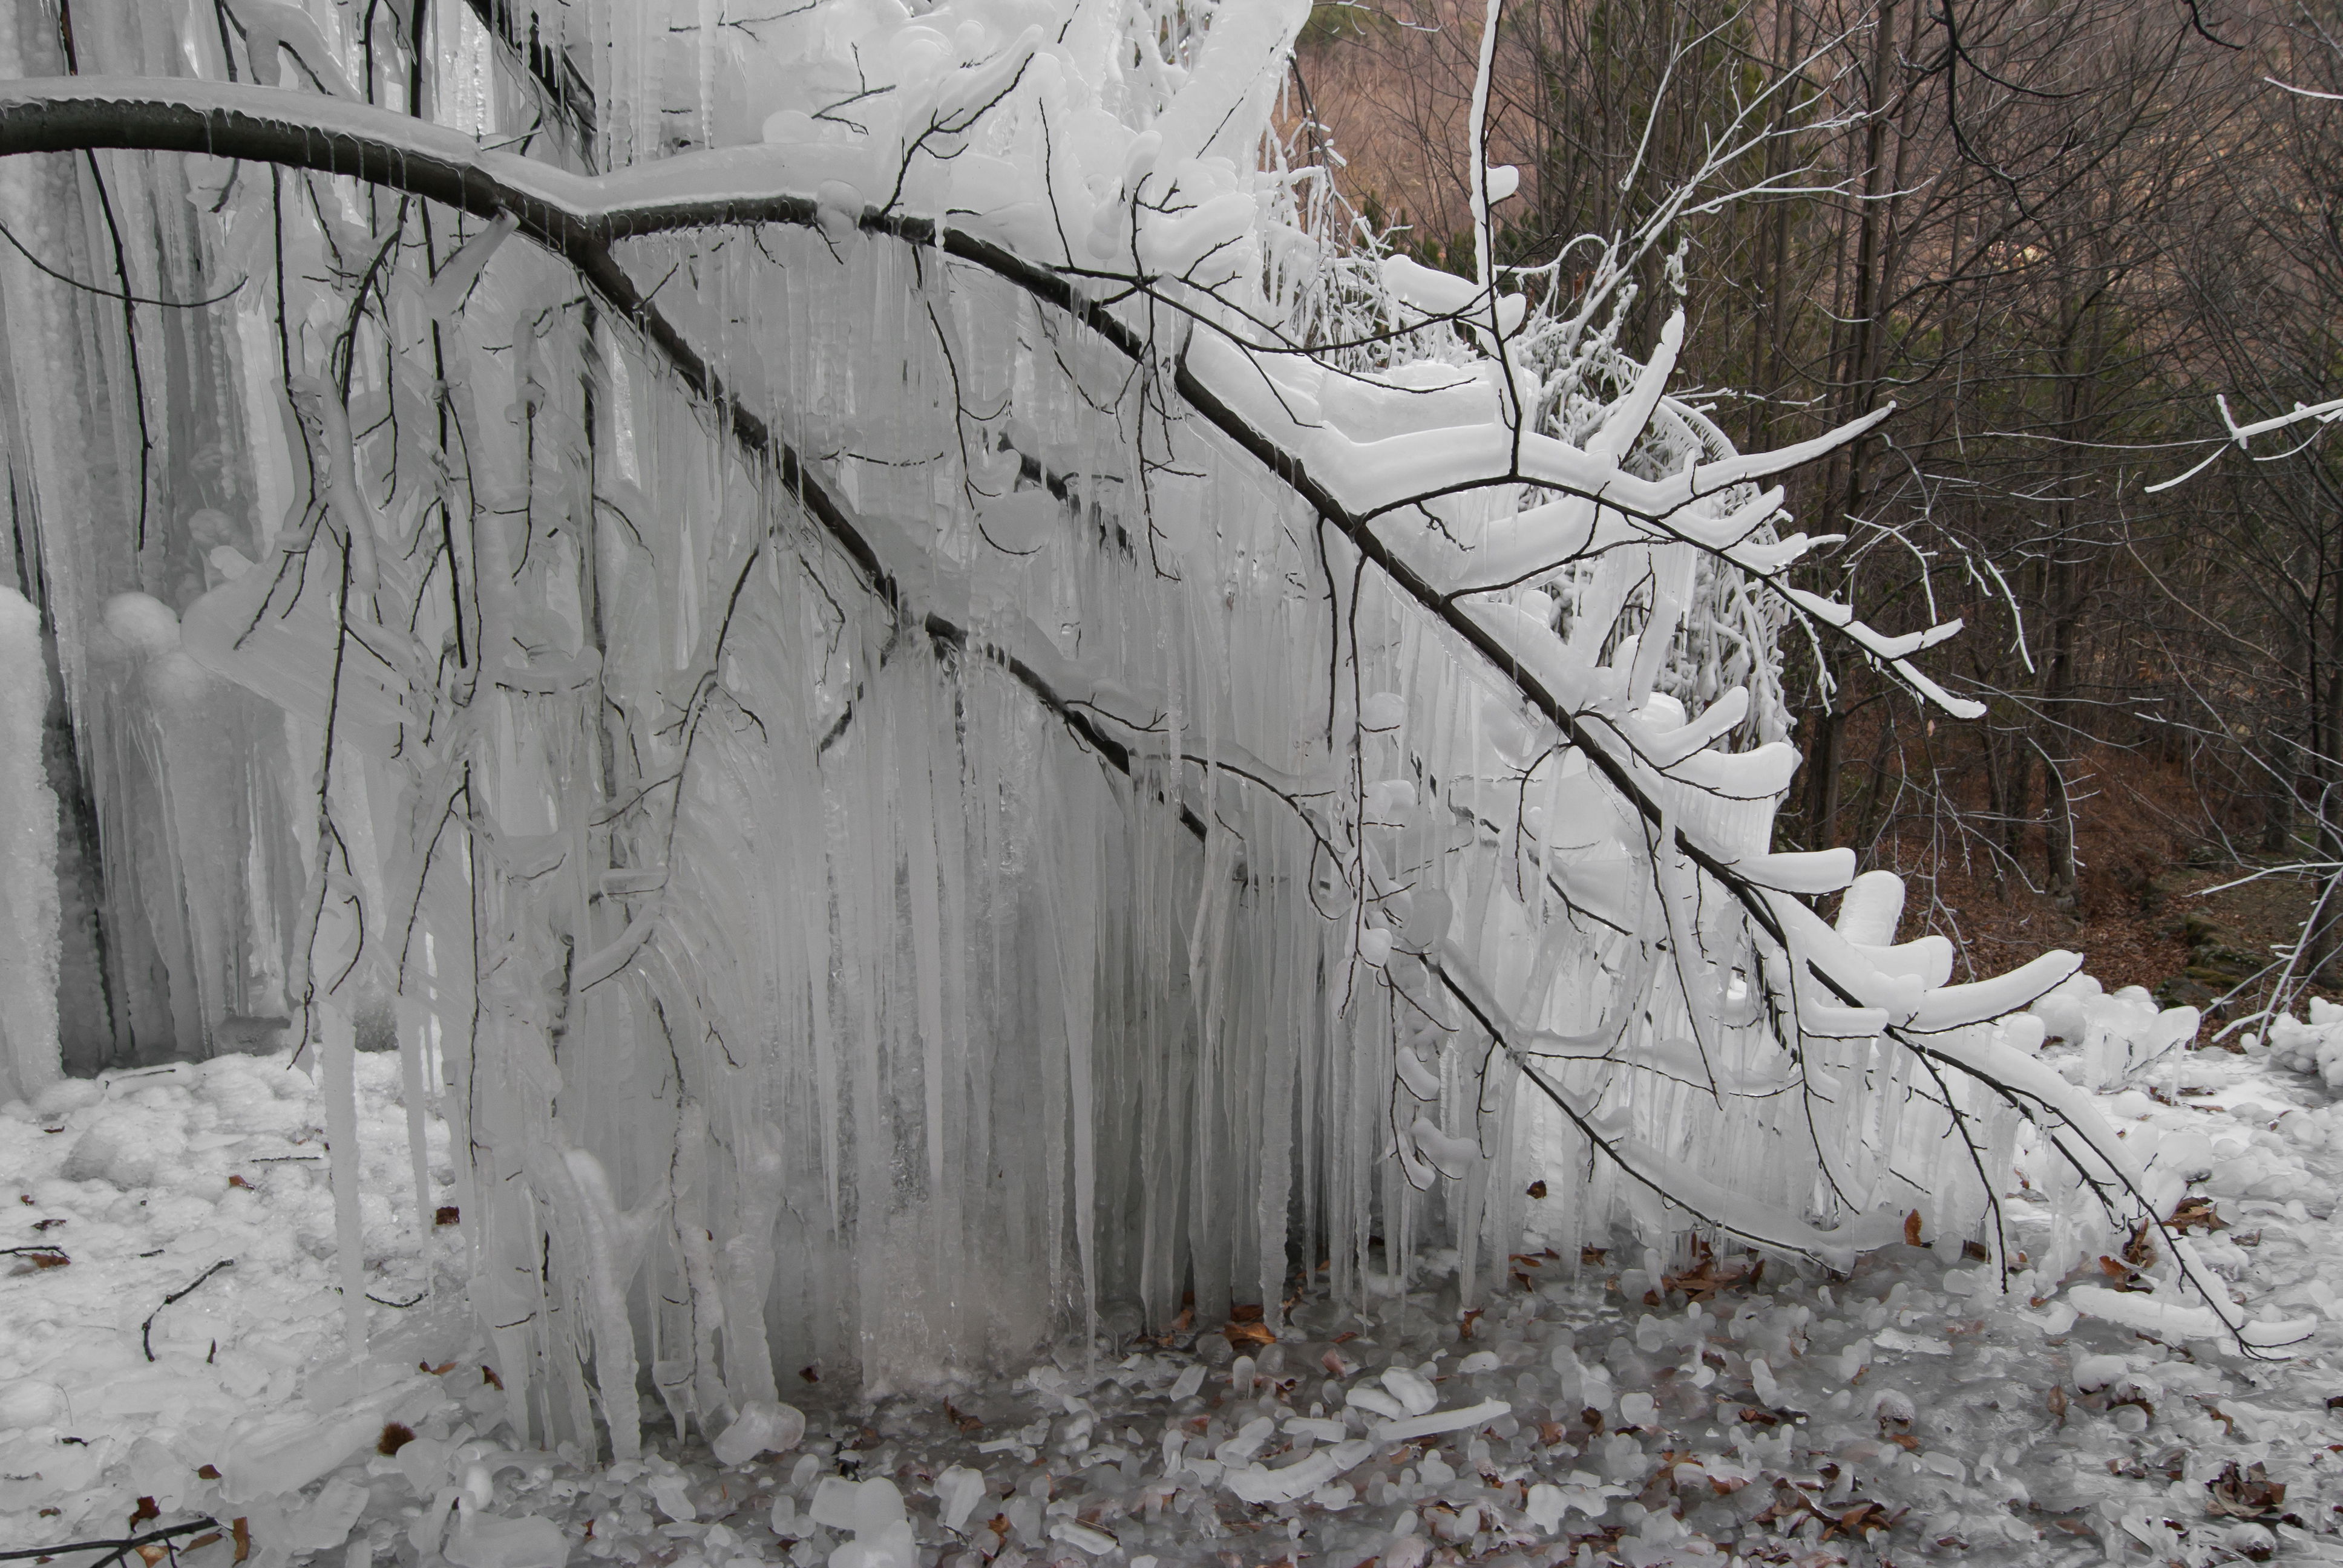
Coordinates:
<point>2053,241</point>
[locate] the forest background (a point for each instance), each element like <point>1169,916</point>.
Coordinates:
<point>2055,237</point>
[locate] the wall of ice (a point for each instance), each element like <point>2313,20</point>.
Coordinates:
<point>1094,894</point>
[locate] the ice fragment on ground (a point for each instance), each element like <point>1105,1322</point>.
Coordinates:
<point>2093,1373</point>
<point>1259,1484</point>
<point>114,1150</point>
<point>2314,1045</point>
<point>673,1496</point>
<point>1441,1421</point>
<point>763,1427</point>
<point>1082,1538</point>
<point>833,1505</point>
<point>485,1539</point>
<point>957,1492</point>
<point>1191,1379</point>
<point>1414,1391</point>
<point>878,1505</point>
<point>890,1547</point>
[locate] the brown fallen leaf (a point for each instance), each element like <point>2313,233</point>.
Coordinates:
<point>207,1538</point>
<point>810,1374</point>
<point>2196,1212</point>
<point>1706,1281</point>
<point>1974,1251</point>
<point>395,1435</point>
<point>208,1472</point>
<point>2248,1495</point>
<point>1862,1518</point>
<point>150,1556</point>
<point>1253,1333</point>
<point>447,1214</point>
<point>1593,1255</point>
<point>442,1370</point>
<point>488,1376</point>
<point>1912,1229</point>
<point>1465,1325</point>
<point>145,1511</point>
<point>240,1182</point>
<point>240,1530</point>
<point>1537,1189</point>
<point>1245,1314</point>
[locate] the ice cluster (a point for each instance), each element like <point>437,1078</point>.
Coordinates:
<point>2312,1044</point>
<point>937,715</point>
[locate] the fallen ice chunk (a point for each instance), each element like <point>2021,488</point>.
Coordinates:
<point>890,1547</point>
<point>1082,1538</point>
<point>1258,1485</point>
<point>1545,1507</point>
<point>1190,1380</point>
<point>30,1402</point>
<point>878,1506</point>
<point>1637,1408</point>
<point>327,1521</point>
<point>1375,1401</point>
<point>116,1150</point>
<point>833,1503</point>
<point>486,1540</point>
<point>424,1461</point>
<point>275,1456</point>
<point>763,1428</point>
<point>673,1497</point>
<point>1412,1390</point>
<point>957,1492</point>
<point>1248,1441</point>
<point>2093,1373</point>
<point>1440,1422</point>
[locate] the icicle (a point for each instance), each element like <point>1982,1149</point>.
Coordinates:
<point>415,1024</point>
<point>337,1049</point>
<point>29,1059</point>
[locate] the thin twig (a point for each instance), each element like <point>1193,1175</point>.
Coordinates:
<point>146,1329</point>
<point>117,1550</point>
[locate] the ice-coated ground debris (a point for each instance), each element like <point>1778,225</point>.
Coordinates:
<point>1907,1410</point>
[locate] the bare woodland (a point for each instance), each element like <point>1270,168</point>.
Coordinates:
<point>2052,239</point>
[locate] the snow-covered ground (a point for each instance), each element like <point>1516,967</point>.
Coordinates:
<point>1895,1414</point>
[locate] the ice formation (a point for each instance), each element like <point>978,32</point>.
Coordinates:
<point>930,708</point>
